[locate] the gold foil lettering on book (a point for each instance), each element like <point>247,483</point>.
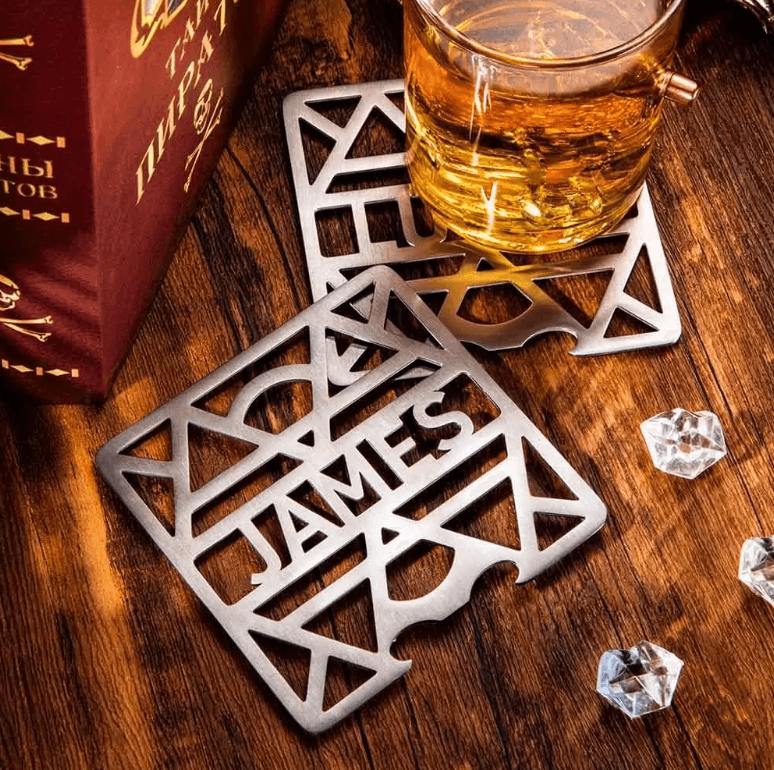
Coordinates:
<point>10,295</point>
<point>25,167</point>
<point>201,7</point>
<point>20,62</point>
<point>164,132</point>
<point>182,89</point>
<point>171,64</point>
<point>206,117</point>
<point>47,170</point>
<point>205,54</point>
<point>221,14</point>
<point>189,34</point>
<point>8,165</point>
<point>27,190</point>
<point>181,44</point>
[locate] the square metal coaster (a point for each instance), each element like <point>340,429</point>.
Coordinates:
<point>341,199</point>
<point>355,434</point>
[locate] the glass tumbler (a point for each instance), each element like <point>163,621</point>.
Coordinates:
<point>533,152</point>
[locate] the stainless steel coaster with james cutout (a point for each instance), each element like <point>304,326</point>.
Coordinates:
<point>356,211</point>
<point>299,479</point>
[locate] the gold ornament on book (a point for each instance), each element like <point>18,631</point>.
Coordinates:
<point>150,16</point>
<point>10,294</point>
<point>22,62</point>
<point>206,119</point>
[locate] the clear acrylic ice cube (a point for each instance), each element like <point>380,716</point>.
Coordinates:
<point>684,443</point>
<point>639,680</point>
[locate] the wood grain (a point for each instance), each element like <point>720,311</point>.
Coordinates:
<point>108,659</point>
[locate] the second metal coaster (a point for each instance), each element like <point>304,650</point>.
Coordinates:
<point>337,201</point>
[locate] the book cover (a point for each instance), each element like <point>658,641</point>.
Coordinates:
<point>112,116</point>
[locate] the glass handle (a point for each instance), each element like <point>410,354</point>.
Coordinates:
<point>680,89</point>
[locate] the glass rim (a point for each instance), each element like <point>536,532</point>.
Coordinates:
<point>432,16</point>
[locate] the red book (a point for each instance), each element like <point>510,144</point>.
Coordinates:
<point>112,116</point>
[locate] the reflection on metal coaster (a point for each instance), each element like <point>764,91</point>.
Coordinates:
<point>345,444</point>
<point>356,211</point>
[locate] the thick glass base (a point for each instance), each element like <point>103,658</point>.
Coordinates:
<point>519,237</point>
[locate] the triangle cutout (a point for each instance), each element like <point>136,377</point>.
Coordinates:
<point>156,445</point>
<point>551,528</point>
<point>623,324</point>
<point>377,136</point>
<point>338,470</point>
<point>338,111</point>
<point>434,300</point>
<point>491,518</point>
<point>388,535</point>
<point>210,453</point>
<point>578,295</point>
<point>641,284</point>
<point>350,619</point>
<point>291,661</point>
<point>307,439</point>
<point>317,147</point>
<point>357,308</point>
<point>398,99</point>
<point>543,480</point>
<point>298,524</point>
<point>158,494</point>
<point>402,319</point>
<point>342,679</point>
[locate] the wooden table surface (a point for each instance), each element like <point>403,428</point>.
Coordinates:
<point>108,660</point>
